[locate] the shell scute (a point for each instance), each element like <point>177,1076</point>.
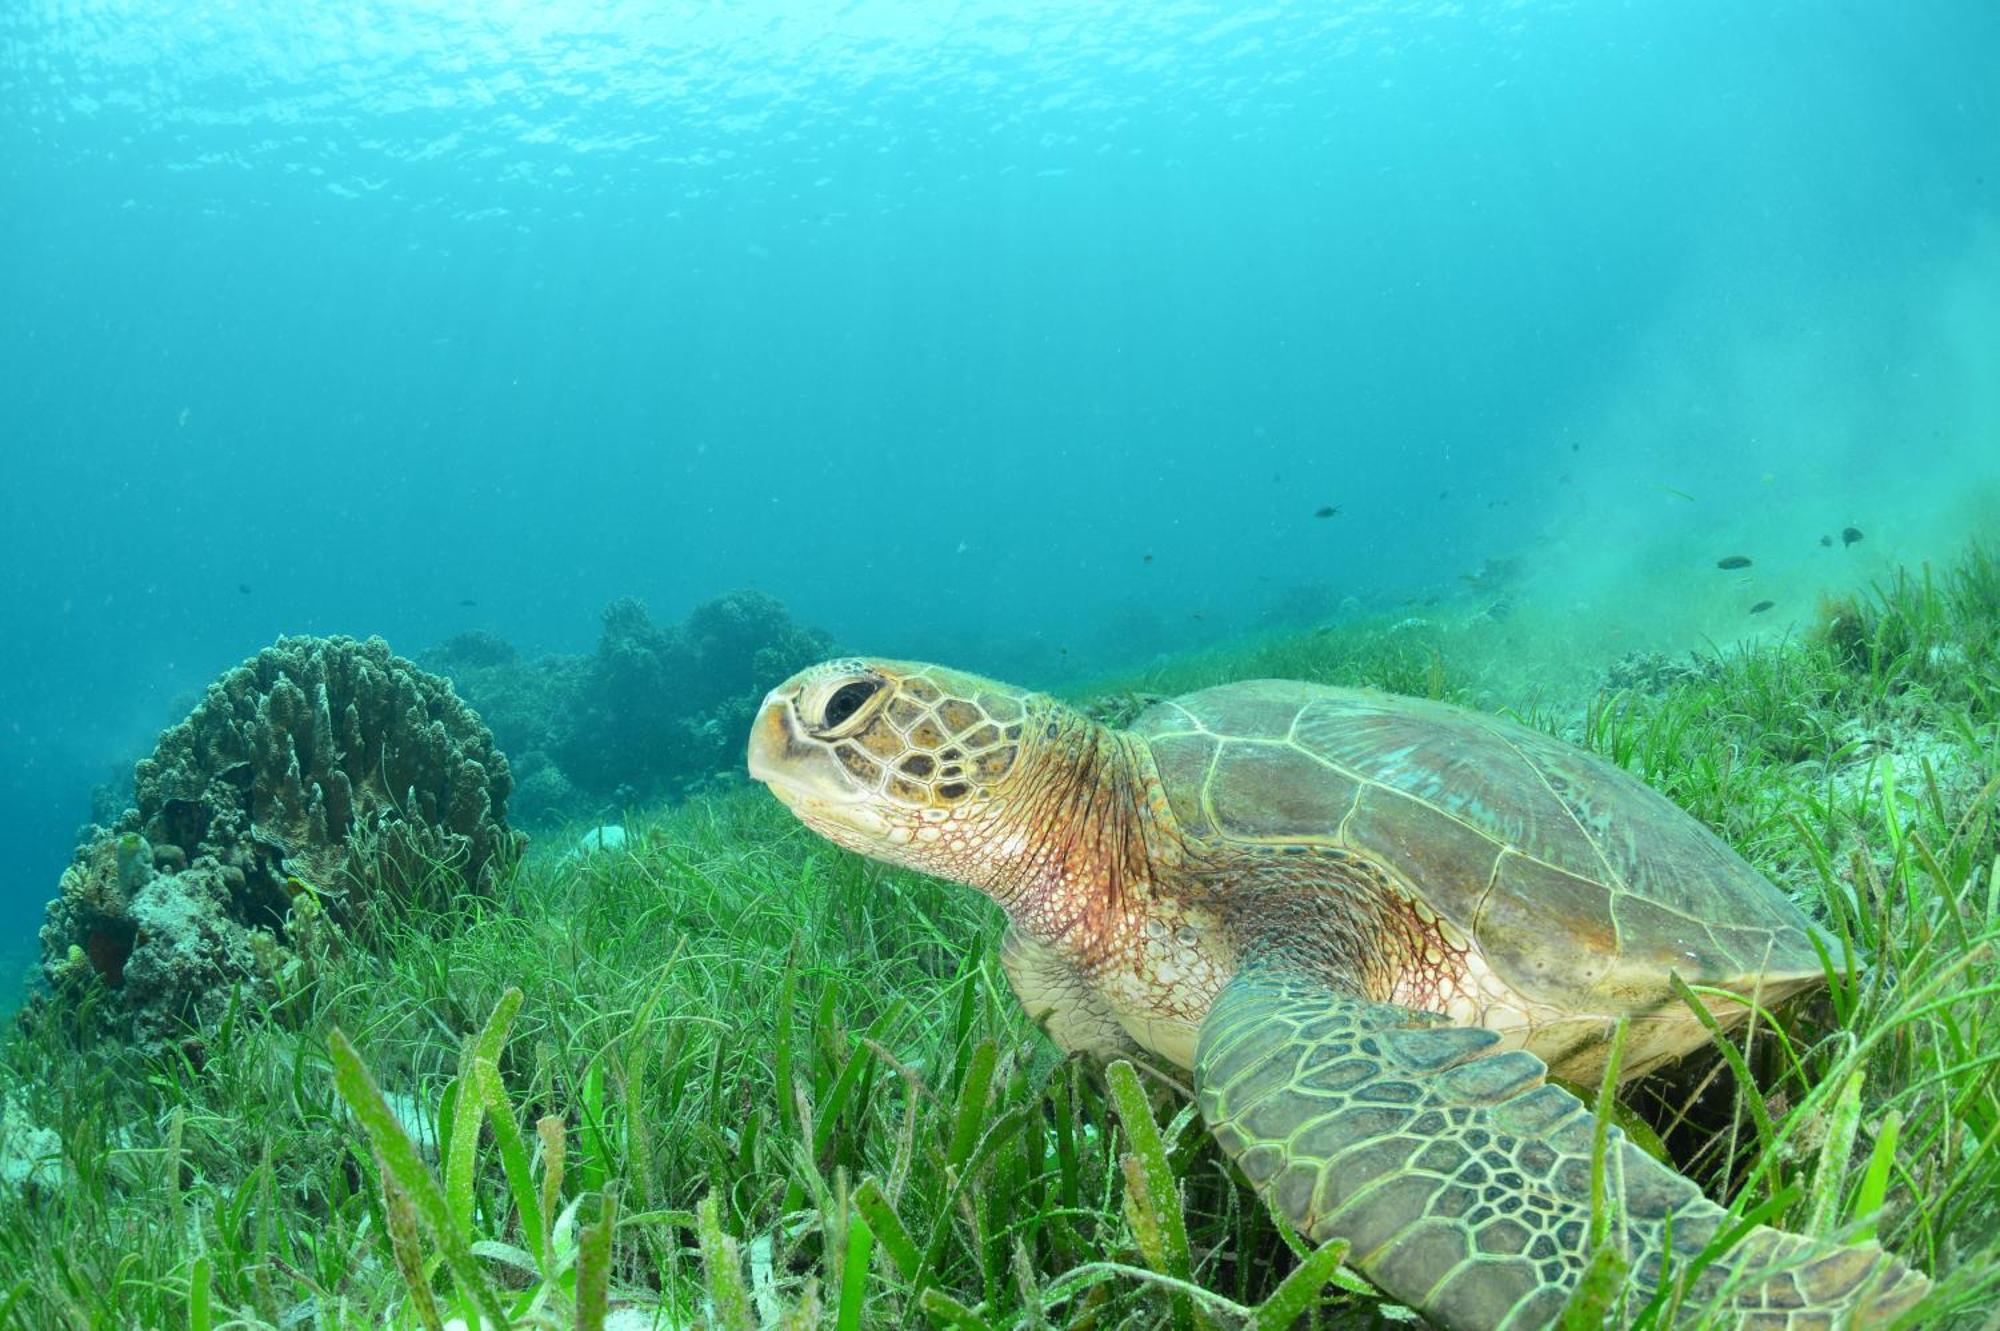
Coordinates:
<point>1656,938</point>
<point>1254,709</point>
<point>1183,762</point>
<point>1276,791</point>
<point>1455,762</point>
<point>1449,862</point>
<point>1515,918</point>
<point>1574,877</point>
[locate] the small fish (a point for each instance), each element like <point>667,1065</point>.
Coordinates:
<point>1327,511</point>
<point>243,587</point>
<point>1849,535</point>
<point>1147,559</point>
<point>468,602</point>
<point>1575,447</point>
<point>1761,607</point>
<point>1444,494</point>
<point>1826,541</point>
<point>1734,561</point>
<point>1678,494</point>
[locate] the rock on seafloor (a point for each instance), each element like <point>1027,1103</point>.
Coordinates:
<point>610,836</point>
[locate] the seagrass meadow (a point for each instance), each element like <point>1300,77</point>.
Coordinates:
<point>728,1076</point>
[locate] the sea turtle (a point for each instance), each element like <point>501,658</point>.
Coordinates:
<point>1369,926</point>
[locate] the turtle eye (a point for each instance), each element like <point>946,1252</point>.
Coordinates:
<point>847,700</point>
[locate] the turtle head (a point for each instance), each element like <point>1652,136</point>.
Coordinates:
<point>905,762</point>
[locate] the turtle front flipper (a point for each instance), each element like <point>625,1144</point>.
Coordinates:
<point>1462,1180</point>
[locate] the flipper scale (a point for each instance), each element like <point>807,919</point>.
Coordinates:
<point>1462,1179</point>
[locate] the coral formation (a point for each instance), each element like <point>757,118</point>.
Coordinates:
<point>519,700</point>
<point>474,649</point>
<point>543,796</point>
<point>655,711</point>
<point>320,784</point>
<point>659,707</point>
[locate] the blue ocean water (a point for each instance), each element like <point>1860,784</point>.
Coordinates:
<point>1029,336</point>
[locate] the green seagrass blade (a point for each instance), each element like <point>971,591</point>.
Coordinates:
<point>1462,1179</point>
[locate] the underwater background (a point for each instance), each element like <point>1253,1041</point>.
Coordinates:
<point>1039,338</point>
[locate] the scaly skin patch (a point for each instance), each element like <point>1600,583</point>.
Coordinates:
<point>1010,792</point>
<point>1070,834</point>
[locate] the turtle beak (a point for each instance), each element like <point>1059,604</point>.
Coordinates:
<point>772,738</point>
<point>801,771</point>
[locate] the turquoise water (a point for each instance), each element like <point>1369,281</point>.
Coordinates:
<point>1028,336</point>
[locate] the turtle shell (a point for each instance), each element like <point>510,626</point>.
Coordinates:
<point>1582,886</point>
